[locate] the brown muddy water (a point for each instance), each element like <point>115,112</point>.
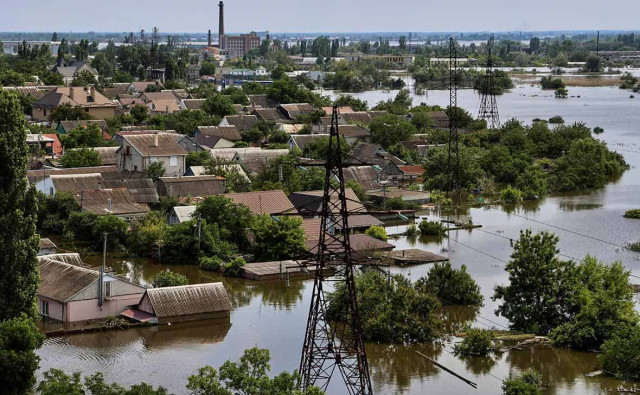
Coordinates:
<point>272,315</point>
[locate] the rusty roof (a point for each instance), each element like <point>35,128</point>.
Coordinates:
<point>412,169</point>
<point>263,202</point>
<point>188,299</point>
<point>145,144</point>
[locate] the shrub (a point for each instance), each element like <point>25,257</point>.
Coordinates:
<point>619,355</point>
<point>528,383</point>
<point>556,119</point>
<point>454,286</point>
<point>550,82</point>
<point>440,197</point>
<point>635,213</point>
<point>377,232</point>
<point>412,230</point>
<point>396,203</point>
<point>235,267</point>
<point>431,228</point>
<point>210,264</point>
<point>511,195</point>
<point>598,130</point>
<point>562,93</point>
<point>634,246</point>
<point>475,342</point>
<point>168,278</point>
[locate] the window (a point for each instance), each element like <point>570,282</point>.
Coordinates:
<point>107,289</point>
<point>44,308</point>
<point>153,159</point>
<point>51,191</point>
<point>45,112</point>
<point>173,161</point>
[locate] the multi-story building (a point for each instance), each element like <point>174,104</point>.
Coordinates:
<point>238,46</point>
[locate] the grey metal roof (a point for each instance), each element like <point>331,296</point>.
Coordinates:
<point>189,299</point>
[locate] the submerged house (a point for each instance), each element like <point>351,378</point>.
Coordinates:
<point>71,293</point>
<point>184,303</point>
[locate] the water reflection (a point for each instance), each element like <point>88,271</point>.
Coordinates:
<point>399,364</point>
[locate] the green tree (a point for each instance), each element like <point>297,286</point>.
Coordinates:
<point>81,157</point>
<point>277,238</point>
<point>528,383</point>
<point>390,129</point>
<point>56,382</point>
<point>231,218</point>
<point>247,376</point>
<point>54,211</point>
<point>190,240</point>
<point>218,105</point>
<point>350,101</point>
<point>593,64</point>
<point>156,170</point>
<point>84,78</point>
<point>84,136</point>
<point>535,301</point>
<point>146,234</point>
<point>19,337</point>
<point>18,203</point>
<point>140,113</point>
<point>475,342</point>
<point>619,356</point>
<point>439,174</point>
<point>67,112</point>
<point>451,286</point>
<point>167,278</point>
<point>377,232</point>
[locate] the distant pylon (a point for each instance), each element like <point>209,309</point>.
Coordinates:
<point>488,104</point>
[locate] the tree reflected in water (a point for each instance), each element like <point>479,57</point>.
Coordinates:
<point>400,364</point>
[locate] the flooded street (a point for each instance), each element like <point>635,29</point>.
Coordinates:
<point>272,315</point>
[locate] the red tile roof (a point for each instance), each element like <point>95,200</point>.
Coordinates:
<point>57,146</point>
<point>412,169</point>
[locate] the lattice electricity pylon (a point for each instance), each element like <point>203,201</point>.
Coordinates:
<point>488,104</point>
<point>452,147</point>
<point>340,345</point>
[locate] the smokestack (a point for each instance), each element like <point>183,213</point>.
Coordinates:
<point>155,138</point>
<point>221,43</point>
<point>209,38</point>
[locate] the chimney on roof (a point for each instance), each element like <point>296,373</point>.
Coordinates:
<point>155,140</point>
<point>72,93</point>
<point>209,38</point>
<point>109,204</point>
<point>221,43</point>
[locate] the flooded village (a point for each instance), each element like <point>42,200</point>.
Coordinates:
<point>404,213</point>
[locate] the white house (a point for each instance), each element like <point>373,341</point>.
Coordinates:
<point>137,152</point>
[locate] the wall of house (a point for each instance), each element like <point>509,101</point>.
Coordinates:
<point>131,162</point>
<point>145,305</point>
<point>170,171</point>
<point>41,114</point>
<point>102,112</point>
<point>118,288</point>
<point>46,186</point>
<point>56,309</point>
<point>82,310</point>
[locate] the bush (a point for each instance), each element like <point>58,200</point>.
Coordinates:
<point>454,286</point>
<point>391,310</point>
<point>528,383</point>
<point>562,93</point>
<point>556,119</point>
<point>598,130</point>
<point>511,195</point>
<point>432,228</point>
<point>81,157</point>
<point>19,338</point>
<point>550,82</point>
<point>635,213</point>
<point>635,247</point>
<point>619,355</point>
<point>168,278</point>
<point>476,342</point>
<point>210,264</point>
<point>377,232</point>
<point>440,197</point>
<point>412,230</point>
<point>235,267</point>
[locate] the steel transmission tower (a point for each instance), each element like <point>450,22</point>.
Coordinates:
<point>340,345</point>
<point>488,105</point>
<point>452,148</point>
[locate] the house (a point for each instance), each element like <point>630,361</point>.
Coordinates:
<point>269,114</point>
<point>409,196</point>
<point>141,86</point>
<point>65,127</point>
<point>291,111</point>
<point>191,104</point>
<point>116,202</point>
<point>138,151</point>
<point>115,91</point>
<point>71,293</point>
<point>68,73</point>
<point>186,303</point>
<point>218,136</point>
<point>168,106</point>
<point>168,95</point>
<point>263,202</point>
<point>138,184</point>
<point>74,183</point>
<point>439,118</point>
<point>41,178</point>
<point>241,122</point>
<point>47,247</point>
<point>353,133</point>
<point>39,142</point>
<point>360,117</point>
<point>180,214</point>
<point>362,244</point>
<point>258,160</point>
<point>367,176</point>
<point>341,110</point>
<point>108,155</point>
<point>291,128</point>
<point>262,101</point>
<point>421,147</point>
<point>412,173</point>
<point>88,98</point>
<point>300,141</point>
<point>190,144</point>
<point>202,170</point>
<point>309,205</point>
<point>195,186</point>
<point>374,154</point>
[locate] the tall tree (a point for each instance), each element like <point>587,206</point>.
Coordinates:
<point>18,263</point>
<point>54,37</point>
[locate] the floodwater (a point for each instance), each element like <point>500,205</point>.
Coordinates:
<point>272,315</point>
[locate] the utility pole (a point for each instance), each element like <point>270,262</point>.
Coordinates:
<point>104,251</point>
<point>598,44</point>
<point>199,230</point>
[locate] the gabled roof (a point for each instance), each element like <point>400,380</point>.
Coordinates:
<point>164,95</point>
<point>108,154</point>
<point>412,169</point>
<point>262,101</point>
<point>141,86</point>
<point>241,122</point>
<point>353,131</point>
<point>168,106</point>
<point>269,114</point>
<point>263,202</point>
<point>341,110</point>
<point>192,104</point>
<point>365,152</point>
<point>188,299</point>
<point>310,202</point>
<point>57,145</point>
<point>259,159</point>
<point>230,133</point>
<point>76,182</point>
<point>291,111</point>
<point>61,281</point>
<point>38,175</point>
<point>359,242</point>
<point>361,116</point>
<point>194,186</point>
<point>145,144</point>
<point>75,96</point>
<point>302,140</point>
<point>184,213</point>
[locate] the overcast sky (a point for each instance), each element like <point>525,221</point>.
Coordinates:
<point>319,16</point>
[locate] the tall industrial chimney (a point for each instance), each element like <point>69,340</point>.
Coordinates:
<point>209,38</point>
<point>221,43</point>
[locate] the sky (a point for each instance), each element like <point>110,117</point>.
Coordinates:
<point>320,16</point>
